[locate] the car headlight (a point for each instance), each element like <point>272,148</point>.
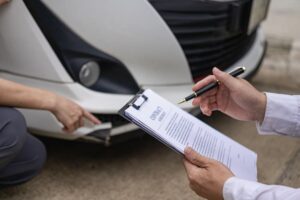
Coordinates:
<point>81,60</point>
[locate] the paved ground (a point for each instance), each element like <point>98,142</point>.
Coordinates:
<point>281,67</point>
<point>283,20</point>
<point>145,169</point>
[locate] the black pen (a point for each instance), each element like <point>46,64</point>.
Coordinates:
<point>234,73</point>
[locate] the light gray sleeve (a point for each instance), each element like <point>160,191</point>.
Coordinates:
<point>239,189</point>
<point>282,115</point>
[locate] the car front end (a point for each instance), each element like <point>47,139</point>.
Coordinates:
<point>100,53</point>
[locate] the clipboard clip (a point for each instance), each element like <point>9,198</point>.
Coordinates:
<point>139,101</point>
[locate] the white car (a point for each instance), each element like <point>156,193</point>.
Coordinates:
<point>101,52</point>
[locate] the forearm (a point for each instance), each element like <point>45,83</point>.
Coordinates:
<point>237,189</point>
<point>16,95</point>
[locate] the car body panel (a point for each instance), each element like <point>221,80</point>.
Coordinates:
<point>24,49</point>
<point>131,37</point>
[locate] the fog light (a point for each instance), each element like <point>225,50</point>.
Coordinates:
<point>89,73</point>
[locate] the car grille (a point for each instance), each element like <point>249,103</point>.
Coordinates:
<point>210,33</point>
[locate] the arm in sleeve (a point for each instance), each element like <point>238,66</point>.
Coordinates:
<point>238,189</point>
<point>282,115</point>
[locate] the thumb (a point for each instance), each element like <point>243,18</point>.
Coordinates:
<point>225,78</point>
<point>196,158</point>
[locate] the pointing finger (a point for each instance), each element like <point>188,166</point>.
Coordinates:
<point>91,117</point>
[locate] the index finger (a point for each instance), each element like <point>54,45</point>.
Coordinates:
<point>204,82</point>
<point>91,117</point>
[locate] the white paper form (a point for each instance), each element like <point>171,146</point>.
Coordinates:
<point>179,129</point>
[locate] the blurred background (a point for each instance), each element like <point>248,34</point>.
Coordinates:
<point>145,169</point>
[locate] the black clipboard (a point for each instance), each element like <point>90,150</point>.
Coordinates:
<point>132,102</point>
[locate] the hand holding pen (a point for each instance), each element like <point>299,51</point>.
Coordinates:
<point>234,97</point>
<point>236,72</point>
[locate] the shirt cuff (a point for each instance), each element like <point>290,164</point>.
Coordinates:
<point>237,189</point>
<point>281,115</point>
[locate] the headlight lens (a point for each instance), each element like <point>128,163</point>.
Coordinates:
<point>89,73</point>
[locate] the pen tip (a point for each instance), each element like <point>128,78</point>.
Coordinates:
<point>182,101</point>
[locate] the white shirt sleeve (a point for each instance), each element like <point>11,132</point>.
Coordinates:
<point>282,115</point>
<point>238,189</point>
